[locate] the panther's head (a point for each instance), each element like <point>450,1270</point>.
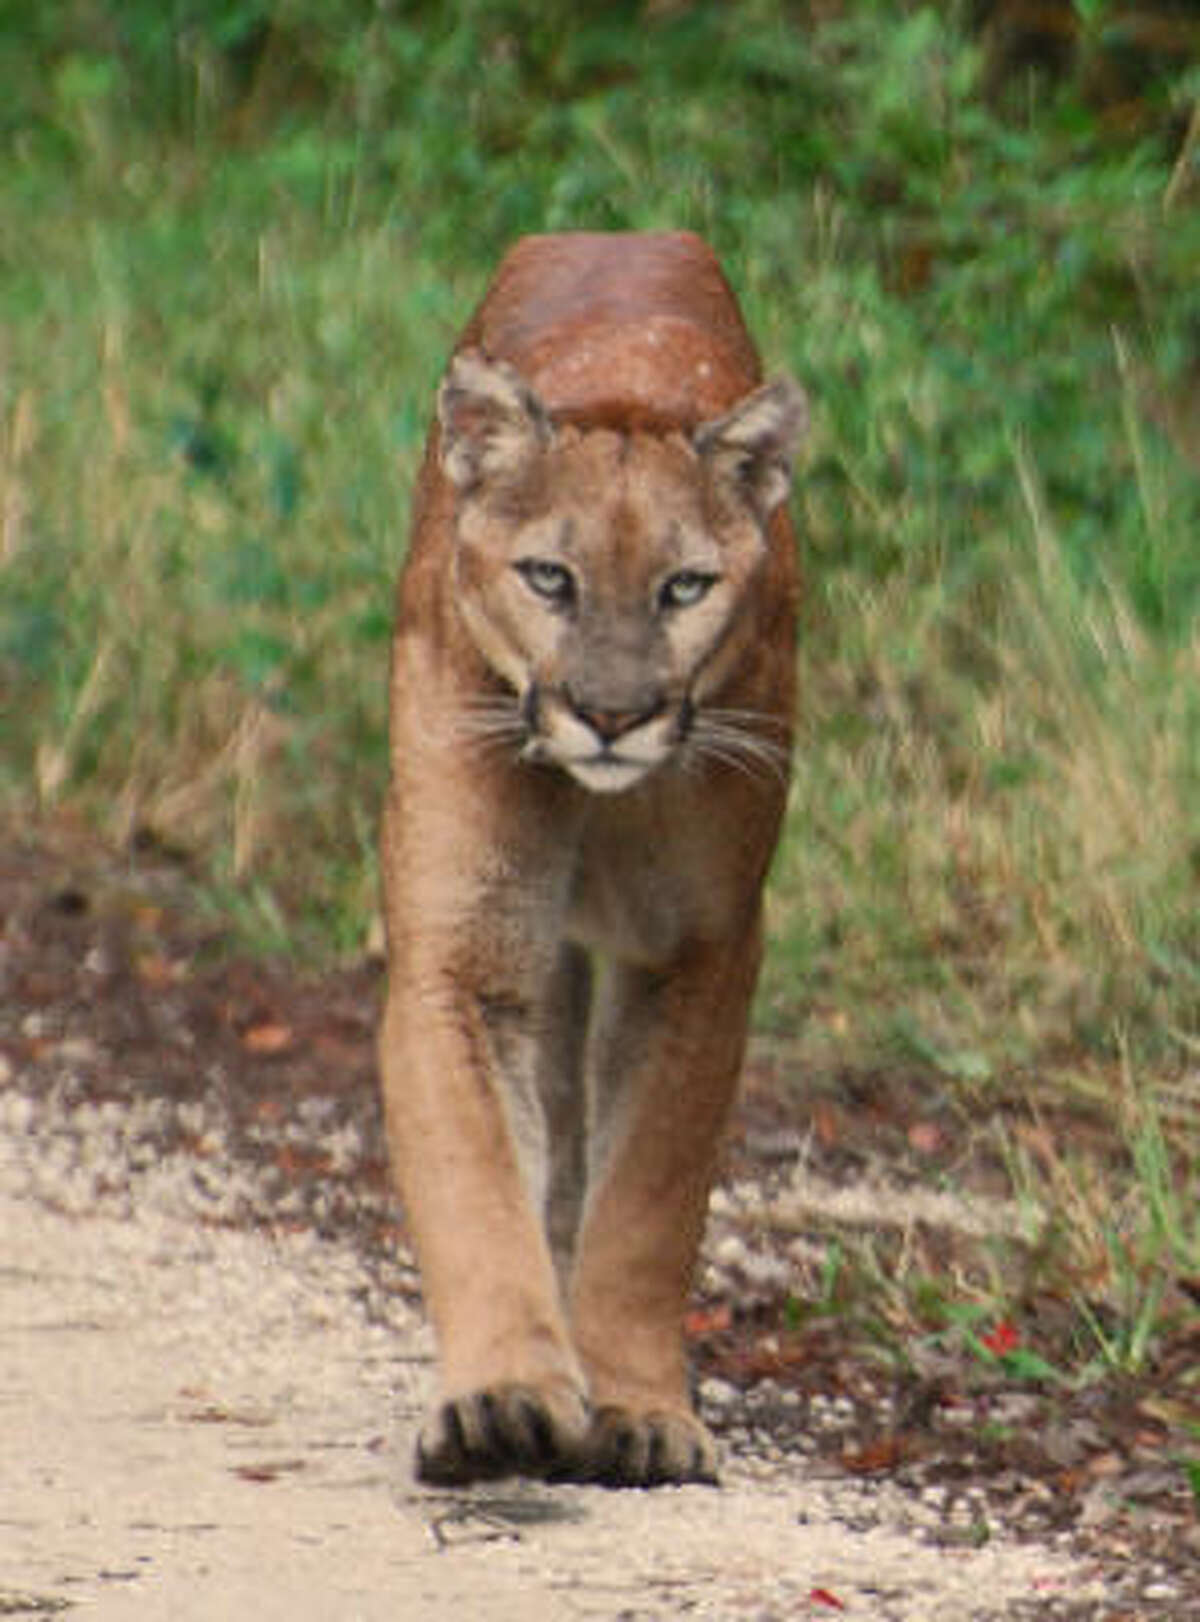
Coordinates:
<point>607,578</point>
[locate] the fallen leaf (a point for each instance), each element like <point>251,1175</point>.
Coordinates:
<point>925,1138</point>
<point>1173,1412</point>
<point>295,1162</point>
<point>1149,1439</point>
<point>826,1124</point>
<point>268,1038</point>
<point>156,971</point>
<point>268,1472</point>
<point>875,1458</point>
<point>216,1413</point>
<point>822,1596</point>
<point>709,1320</point>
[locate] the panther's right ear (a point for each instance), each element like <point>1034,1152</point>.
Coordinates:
<point>493,424</point>
<point>750,448</point>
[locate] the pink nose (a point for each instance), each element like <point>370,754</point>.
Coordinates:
<point>609,725</point>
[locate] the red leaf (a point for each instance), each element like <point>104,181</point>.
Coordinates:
<point>887,1453</point>
<point>827,1124</point>
<point>708,1320</point>
<point>926,1138</point>
<point>822,1596</point>
<point>157,971</point>
<point>268,1038</point>
<point>1003,1338</point>
<point>268,1472</point>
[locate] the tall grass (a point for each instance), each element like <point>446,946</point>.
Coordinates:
<point>235,254</point>
<point>1007,802</point>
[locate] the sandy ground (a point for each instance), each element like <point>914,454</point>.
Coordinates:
<point>198,1422</point>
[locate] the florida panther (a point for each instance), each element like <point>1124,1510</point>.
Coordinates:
<point>591,720</point>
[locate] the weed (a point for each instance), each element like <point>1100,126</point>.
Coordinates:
<point>1148,1242</point>
<point>237,244</point>
<point>1125,1242</point>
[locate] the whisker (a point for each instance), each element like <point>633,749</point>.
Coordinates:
<point>490,725</point>
<point>739,763</point>
<point>738,747</point>
<point>741,738</point>
<point>748,766</point>
<point>707,752</point>
<point>482,727</point>
<point>491,707</point>
<point>747,719</point>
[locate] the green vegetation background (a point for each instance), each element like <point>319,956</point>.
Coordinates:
<point>236,241</point>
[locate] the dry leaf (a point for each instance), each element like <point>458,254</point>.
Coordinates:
<point>268,1038</point>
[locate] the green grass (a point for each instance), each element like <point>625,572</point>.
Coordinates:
<point>236,243</point>
<point>235,248</point>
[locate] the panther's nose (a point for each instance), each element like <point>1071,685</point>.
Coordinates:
<point>611,724</point>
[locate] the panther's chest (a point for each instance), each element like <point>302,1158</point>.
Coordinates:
<point>642,889</point>
<point>633,914</point>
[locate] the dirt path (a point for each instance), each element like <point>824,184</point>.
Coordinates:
<point>212,1355</point>
<point>201,1422</point>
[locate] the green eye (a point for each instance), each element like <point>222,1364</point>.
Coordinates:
<point>552,582</point>
<point>685,589</point>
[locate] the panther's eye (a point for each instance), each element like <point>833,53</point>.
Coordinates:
<point>685,589</point>
<point>552,582</point>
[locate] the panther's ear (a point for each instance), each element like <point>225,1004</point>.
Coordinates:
<point>751,447</point>
<point>493,424</point>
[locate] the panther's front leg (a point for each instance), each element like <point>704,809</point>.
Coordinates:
<point>511,1394</point>
<point>667,1052</point>
<point>462,1040</point>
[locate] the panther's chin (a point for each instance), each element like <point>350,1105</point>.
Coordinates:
<point>609,774</point>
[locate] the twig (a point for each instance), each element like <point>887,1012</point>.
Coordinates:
<point>1179,174</point>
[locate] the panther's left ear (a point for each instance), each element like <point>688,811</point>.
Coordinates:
<point>751,447</point>
<point>493,425</point>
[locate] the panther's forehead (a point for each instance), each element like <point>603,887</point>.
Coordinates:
<point>631,502</point>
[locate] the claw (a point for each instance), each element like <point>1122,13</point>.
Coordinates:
<point>502,1430</point>
<point>628,1449</point>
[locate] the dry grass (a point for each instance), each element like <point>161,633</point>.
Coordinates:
<point>218,341</point>
<point>1002,793</point>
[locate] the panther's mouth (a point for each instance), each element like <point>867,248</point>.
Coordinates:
<point>608,773</point>
<point>605,770</point>
<point>606,749</point>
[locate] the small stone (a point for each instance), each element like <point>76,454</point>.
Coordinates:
<point>77,1050</point>
<point>1012,1408</point>
<point>732,1251</point>
<point>719,1396</point>
<point>719,1203</point>
<point>18,1115</point>
<point>766,1272</point>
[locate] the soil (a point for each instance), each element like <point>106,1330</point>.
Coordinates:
<point>212,1355</point>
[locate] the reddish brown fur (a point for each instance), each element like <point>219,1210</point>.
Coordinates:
<point>625,330</point>
<point>500,871</point>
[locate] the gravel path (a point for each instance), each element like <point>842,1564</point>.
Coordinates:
<point>204,1421</point>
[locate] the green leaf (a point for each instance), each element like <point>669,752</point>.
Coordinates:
<point>258,657</point>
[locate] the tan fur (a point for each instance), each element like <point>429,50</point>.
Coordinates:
<point>591,721</point>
